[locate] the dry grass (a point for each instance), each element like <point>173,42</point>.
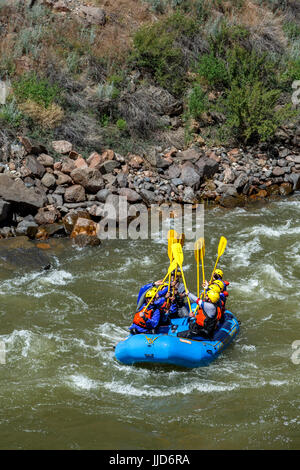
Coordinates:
<point>47,118</point>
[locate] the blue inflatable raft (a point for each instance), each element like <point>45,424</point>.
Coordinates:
<point>165,347</point>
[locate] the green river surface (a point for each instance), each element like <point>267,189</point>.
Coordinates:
<point>62,388</point>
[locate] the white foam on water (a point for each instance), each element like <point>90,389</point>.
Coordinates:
<point>12,341</point>
<point>240,253</point>
<point>57,278</point>
<point>163,391</point>
<point>248,347</point>
<point>278,383</point>
<point>81,382</point>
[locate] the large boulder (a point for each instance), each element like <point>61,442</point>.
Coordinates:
<point>15,191</point>
<point>75,193</point>
<point>189,175</point>
<point>89,178</point>
<point>34,167</point>
<point>207,167</point>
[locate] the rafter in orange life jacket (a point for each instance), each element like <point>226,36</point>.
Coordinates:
<point>140,321</point>
<point>202,318</point>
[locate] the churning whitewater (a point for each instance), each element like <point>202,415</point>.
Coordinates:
<point>62,387</point>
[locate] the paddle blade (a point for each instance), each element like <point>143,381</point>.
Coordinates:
<point>172,238</point>
<point>177,253</point>
<point>199,247</point>
<point>172,267</point>
<point>222,246</point>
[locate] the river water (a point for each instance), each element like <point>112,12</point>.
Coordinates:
<point>61,387</point>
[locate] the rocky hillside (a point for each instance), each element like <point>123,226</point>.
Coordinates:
<point>156,100</point>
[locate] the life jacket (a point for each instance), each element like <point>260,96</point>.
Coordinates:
<point>163,307</point>
<point>140,321</point>
<point>203,320</point>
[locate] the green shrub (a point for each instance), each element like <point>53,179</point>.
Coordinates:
<point>157,49</point>
<point>213,70</point>
<point>197,102</point>
<point>252,112</point>
<point>121,125</point>
<point>39,90</point>
<point>292,30</point>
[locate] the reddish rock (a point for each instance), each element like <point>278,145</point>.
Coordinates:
<point>278,171</point>
<point>69,220</point>
<point>45,160</point>
<point>47,215</point>
<point>57,166</point>
<point>75,193</point>
<point>85,232</point>
<point>62,178</point>
<point>135,161</point>
<point>80,163</point>
<point>68,165</point>
<point>95,160</point>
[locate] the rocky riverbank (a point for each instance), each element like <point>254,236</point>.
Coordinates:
<point>55,191</point>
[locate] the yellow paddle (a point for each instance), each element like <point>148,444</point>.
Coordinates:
<point>221,249</point>
<point>172,266</point>
<point>200,253</point>
<point>172,238</point>
<point>178,257</point>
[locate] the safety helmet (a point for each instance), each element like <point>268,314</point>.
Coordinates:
<point>151,292</point>
<point>215,288</point>
<point>213,296</point>
<point>219,283</point>
<point>219,272</point>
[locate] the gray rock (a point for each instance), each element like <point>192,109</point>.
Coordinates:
<point>293,158</point>
<point>48,180</point>
<point>34,167</point>
<point>227,190</point>
<point>130,194</point>
<point>188,195</point>
<point>122,180</point>
<point>294,178</point>
<point>189,175</point>
<point>108,166</point>
<point>148,197</point>
<point>241,180</point>
<point>176,181</point>
<point>28,228</point>
<point>102,195</point>
<point>15,191</point>
<point>89,178</point>
<point>174,171</point>
<point>75,193</point>
<point>207,167</point>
